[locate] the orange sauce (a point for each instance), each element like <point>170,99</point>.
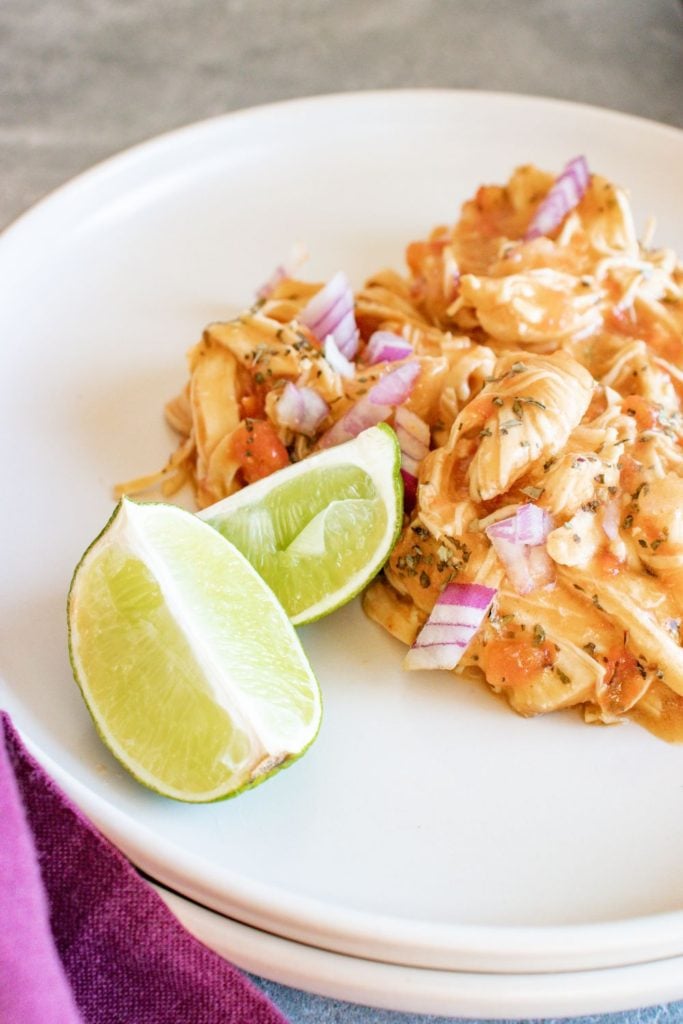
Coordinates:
<point>258,449</point>
<point>515,662</point>
<point>608,563</point>
<point>623,679</point>
<point>644,412</point>
<point>661,713</point>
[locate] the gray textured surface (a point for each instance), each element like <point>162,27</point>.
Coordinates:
<point>307,1009</point>
<point>82,79</point>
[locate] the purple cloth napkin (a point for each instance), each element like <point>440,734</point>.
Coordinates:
<point>83,939</point>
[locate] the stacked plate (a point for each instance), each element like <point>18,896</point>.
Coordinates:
<point>432,852</point>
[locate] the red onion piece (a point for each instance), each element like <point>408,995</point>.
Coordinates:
<point>449,630</point>
<point>337,360</point>
<point>283,271</point>
<point>386,347</point>
<point>409,490</point>
<point>519,542</point>
<point>394,387</point>
<point>331,311</point>
<point>565,193</point>
<point>412,433</point>
<point>413,437</point>
<point>374,407</point>
<point>530,524</point>
<point>300,409</point>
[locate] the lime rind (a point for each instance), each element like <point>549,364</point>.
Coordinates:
<point>109,551</point>
<point>244,518</point>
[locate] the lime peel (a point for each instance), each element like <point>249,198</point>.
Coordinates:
<point>190,668</point>
<point>319,530</point>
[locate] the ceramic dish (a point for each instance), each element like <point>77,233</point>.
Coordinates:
<point>428,826</point>
<point>419,990</point>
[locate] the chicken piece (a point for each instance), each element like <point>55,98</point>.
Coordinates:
<point>656,526</point>
<point>536,309</point>
<point>605,217</point>
<point>469,366</point>
<point>495,215</point>
<point>434,275</point>
<point>265,347</point>
<point>386,302</point>
<point>525,414</point>
<point>573,480</point>
<point>421,564</point>
<point>395,612</point>
<point>214,400</point>
<point>634,370</point>
<point>578,540</point>
<point>642,609</point>
<point>542,652</point>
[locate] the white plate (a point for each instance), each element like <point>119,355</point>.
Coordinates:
<point>428,825</point>
<point>419,990</point>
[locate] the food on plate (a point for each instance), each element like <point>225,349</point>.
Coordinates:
<point>530,359</point>
<point>193,674</point>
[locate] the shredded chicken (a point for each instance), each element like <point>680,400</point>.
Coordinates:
<point>551,373</point>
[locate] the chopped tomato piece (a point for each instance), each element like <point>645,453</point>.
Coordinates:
<point>645,412</point>
<point>252,406</point>
<point>258,449</point>
<point>516,662</point>
<point>624,678</point>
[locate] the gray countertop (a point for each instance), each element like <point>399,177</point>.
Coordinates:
<point>83,79</point>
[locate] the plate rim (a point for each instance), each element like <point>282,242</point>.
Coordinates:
<point>544,941</point>
<point>119,159</point>
<point>417,990</point>
<point>526,948</point>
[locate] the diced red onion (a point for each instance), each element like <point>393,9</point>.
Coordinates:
<point>301,409</point>
<point>394,387</point>
<point>386,347</point>
<point>374,407</point>
<point>413,438</point>
<point>337,360</point>
<point>413,435</point>
<point>331,311</point>
<point>530,524</point>
<point>519,542</point>
<point>540,568</point>
<point>409,490</point>
<point>449,630</point>
<point>565,193</point>
<point>283,271</point>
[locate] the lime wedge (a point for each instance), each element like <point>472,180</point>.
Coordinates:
<point>320,530</point>
<point>194,675</point>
